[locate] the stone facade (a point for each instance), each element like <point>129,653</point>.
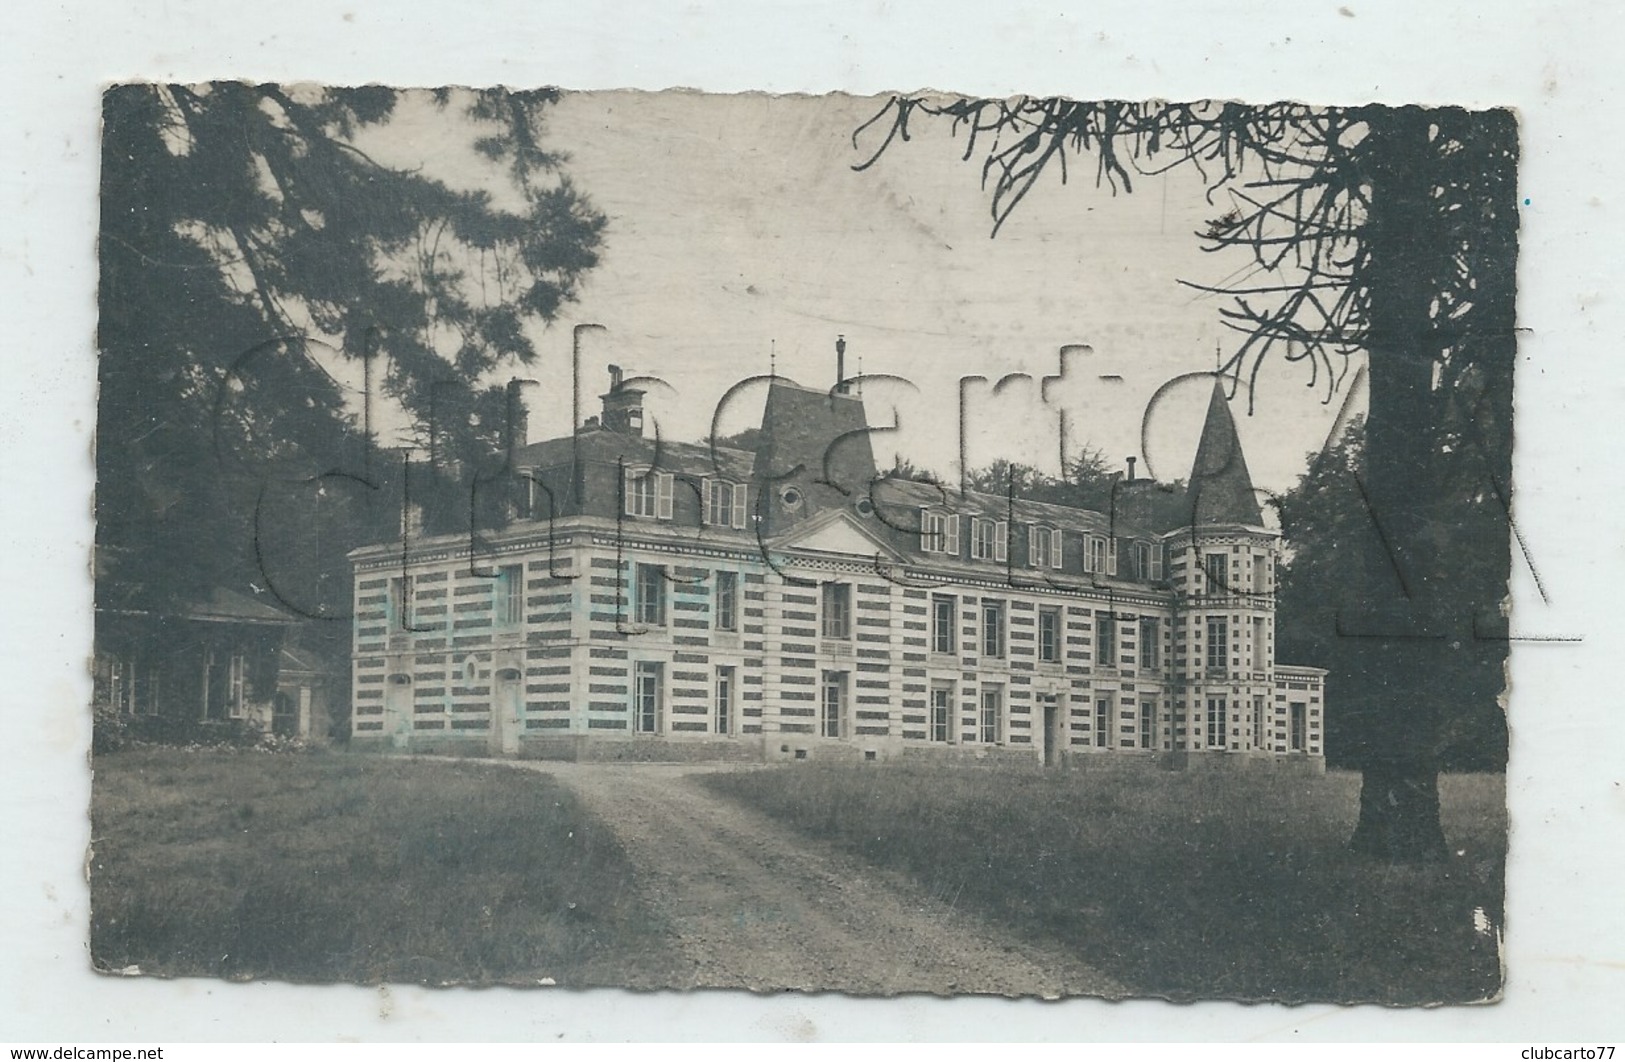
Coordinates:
<point>658,600</point>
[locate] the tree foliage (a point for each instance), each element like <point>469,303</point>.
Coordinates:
<point>249,244</point>
<point>1328,527</point>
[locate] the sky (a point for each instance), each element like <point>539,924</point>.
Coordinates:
<point>741,241</point>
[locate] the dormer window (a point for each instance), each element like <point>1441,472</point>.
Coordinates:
<point>988,539</point>
<point>1044,547</point>
<point>1148,561</point>
<point>725,503</point>
<point>648,493</point>
<point>939,532</point>
<point>1100,555</point>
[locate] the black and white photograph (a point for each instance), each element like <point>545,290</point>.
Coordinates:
<point>882,545</point>
<point>543,523</point>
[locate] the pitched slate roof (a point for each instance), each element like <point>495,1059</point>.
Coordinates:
<point>1221,488</point>
<point>228,606</point>
<point>821,433</point>
<point>598,445</point>
<point>897,493</point>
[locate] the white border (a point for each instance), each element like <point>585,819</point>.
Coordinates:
<point>1553,60</point>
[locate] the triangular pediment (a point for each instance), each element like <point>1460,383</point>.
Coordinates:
<point>838,533</point>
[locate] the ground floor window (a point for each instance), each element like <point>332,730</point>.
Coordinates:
<point>1103,722</point>
<point>1258,722</point>
<point>832,704</point>
<point>725,700</point>
<point>992,717</point>
<point>1297,726</point>
<point>1148,723</point>
<point>224,685</point>
<point>942,711</point>
<point>647,697</point>
<point>1215,722</point>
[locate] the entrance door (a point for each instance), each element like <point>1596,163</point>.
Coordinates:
<point>505,722</point>
<point>1052,751</point>
<point>1054,729</point>
<point>398,710</point>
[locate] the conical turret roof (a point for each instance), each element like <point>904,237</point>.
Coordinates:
<point>1221,489</point>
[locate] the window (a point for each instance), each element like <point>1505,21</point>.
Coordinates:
<point>1213,564</point>
<point>993,629</point>
<point>1260,644</point>
<point>1218,643</point>
<point>990,724</point>
<point>988,539</point>
<point>939,532</point>
<point>832,704</point>
<point>1105,639</point>
<point>146,691</point>
<point>400,602</point>
<point>1215,722</point>
<point>1100,555</point>
<point>725,700</point>
<point>648,493</point>
<point>1103,721</point>
<point>1148,722</point>
<point>1049,635</point>
<point>1044,547</point>
<point>1150,642</point>
<point>725,507</point>
<point>237,671</point>
<point>508,596</point>
<point>944,619</point>
<point>1258,722</point>
<point>1261,573</point>
<point>1297,726</point>
<point>651,595</point>
<point>837,612</point>
<point>647,697</point>
<point>727,605</point>
<point>116,693</point>
<point>1148,561</point>
<point>942,711</point>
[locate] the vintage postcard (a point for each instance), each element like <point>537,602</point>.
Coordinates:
<point>898,544</point>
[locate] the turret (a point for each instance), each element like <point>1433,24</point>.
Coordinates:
<point>1222,564</point>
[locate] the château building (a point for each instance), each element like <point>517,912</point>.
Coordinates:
<point>652,599</point>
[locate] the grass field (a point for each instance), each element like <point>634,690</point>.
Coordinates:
<point>333,867</point>
<point>1183,885</point>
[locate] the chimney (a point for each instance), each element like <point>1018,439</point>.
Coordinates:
<point>517,428</point>
<point>840,364</point>
<point>1131,470</point>
<point>623,405</point>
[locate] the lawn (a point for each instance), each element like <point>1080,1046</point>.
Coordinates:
<point>1183,885</point>
<point>309,867</point>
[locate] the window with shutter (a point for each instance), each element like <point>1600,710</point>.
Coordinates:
<point>1095,558</point>
<point>739,493</point>
<point>1001,541</point>
<point>1156,562</point>
<point>1111,556</point>
<point>950,535</point>
<point>663,485</point>
<point>1055,548</point>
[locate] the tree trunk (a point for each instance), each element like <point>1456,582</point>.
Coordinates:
<point>1395,593</point>
<point>1399,812</point>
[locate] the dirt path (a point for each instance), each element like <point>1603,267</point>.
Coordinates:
<point>754,906</point>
